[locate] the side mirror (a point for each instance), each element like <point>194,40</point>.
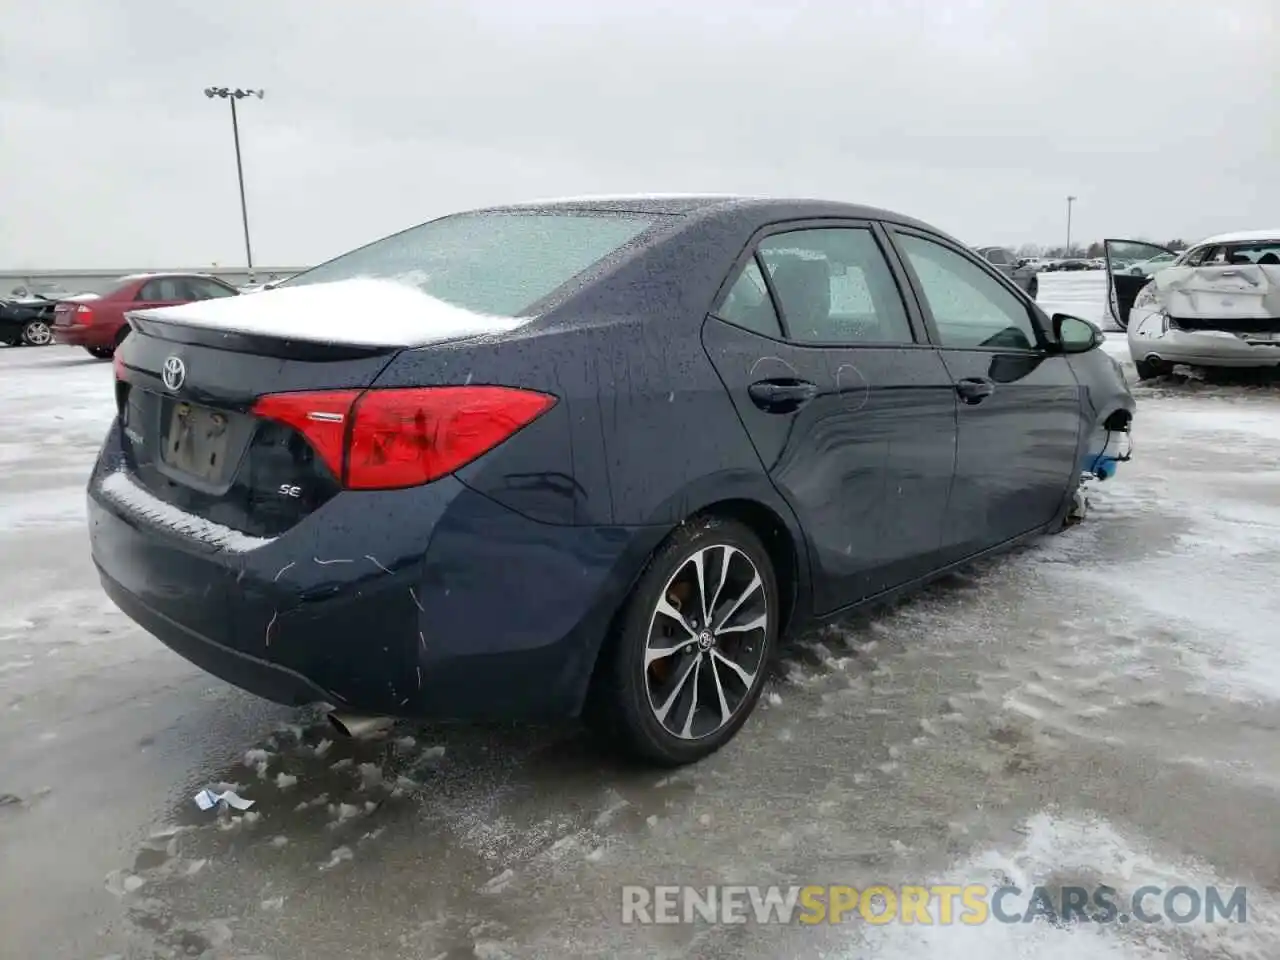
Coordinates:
<point>1075,335</point>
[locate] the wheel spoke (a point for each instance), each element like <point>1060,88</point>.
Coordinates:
<point>746,678</point>
<point>725,712</point>
<point>652,654</point>
<point>700,573</point>
<point>724,575</point>
<point>759,623</point>
<point>661,712</point>
<point>687,730</point>
<point>666,609</point>
<point>752,587</point>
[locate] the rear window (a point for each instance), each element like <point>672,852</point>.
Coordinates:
<point>499,264</point>
<point>1264,252</point>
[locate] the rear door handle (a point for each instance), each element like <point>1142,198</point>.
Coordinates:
<point>975,389</point>
<point>782,395</point>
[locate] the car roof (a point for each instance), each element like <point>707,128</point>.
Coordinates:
<point>132,277</point>
<point>711,205</point>
<point>1242,236</point>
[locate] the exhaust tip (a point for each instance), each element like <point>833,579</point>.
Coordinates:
<point>335,721</point>
<point>357,727</point>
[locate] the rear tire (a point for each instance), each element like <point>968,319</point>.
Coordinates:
<point>1150,368</point>
<point>676,688</point>
<point>36,333</point>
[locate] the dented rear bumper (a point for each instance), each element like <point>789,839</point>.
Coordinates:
<point>433,601</point>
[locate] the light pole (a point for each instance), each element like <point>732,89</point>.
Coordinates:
<point>1069,201</point>
<point>232,95</point>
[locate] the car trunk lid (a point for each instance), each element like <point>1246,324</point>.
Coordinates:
<point>193,443</point>
<point>1238,298</point>
<point>190,383</point>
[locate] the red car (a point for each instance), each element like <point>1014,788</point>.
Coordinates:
<point>98,325</point>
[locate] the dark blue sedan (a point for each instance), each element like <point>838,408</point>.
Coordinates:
<point>584,457</point>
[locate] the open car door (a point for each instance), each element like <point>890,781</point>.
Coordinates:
<point>1130,265</point>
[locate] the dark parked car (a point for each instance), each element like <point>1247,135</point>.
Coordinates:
<point>1020,271</point>
<point>26,321</point>
<point>99,326</point>
<point>589,456</point>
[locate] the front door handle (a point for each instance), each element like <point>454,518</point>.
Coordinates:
<point>975,389</point>
<point>781,395</point>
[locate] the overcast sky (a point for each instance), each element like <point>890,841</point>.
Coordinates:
<point>980,116</point>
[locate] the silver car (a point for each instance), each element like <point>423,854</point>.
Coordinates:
<point>1004,260</point>
<point>1216,305</point>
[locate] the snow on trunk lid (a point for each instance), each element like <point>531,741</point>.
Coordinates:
<point>360,312</point>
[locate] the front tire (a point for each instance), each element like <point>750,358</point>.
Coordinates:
<point>100,353</point>
<point>1033,288</point>
<point>36,333</point>
<point>694,645</point>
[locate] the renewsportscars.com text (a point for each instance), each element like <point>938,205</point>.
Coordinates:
<point>936,904</point>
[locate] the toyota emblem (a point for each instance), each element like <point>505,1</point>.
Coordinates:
<point>175,373</point>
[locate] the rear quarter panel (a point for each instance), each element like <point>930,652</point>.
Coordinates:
<point>643,430</point>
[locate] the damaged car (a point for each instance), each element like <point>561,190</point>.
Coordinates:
<point>587,457</point>
<point>1217,305</point>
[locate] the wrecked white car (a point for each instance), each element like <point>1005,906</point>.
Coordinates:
<point>1217,305</point>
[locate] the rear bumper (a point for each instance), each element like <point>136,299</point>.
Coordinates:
<point>431,602</point>
<point>1206,348</point>
<point>255,674</point>
<point>82,335</point>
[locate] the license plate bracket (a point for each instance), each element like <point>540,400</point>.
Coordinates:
<point>197,441</point>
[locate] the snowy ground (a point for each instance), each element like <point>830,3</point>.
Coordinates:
<point>1081,293</point>
<point>1102,707</point>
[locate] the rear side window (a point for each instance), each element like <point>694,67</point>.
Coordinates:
<point>163,288</point>
<point>1246,253</point>
<point>834,286</point>
<point>748,305</point>
<point>498,264</point>
<point>998,256</point>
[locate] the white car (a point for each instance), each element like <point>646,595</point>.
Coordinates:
<point>1146,268</point>
<point>1216,305</point>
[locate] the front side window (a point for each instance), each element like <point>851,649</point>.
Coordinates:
<point>998,256</point>
<point>835,286</point>
<point>499,264</point>
<point>971,308</point>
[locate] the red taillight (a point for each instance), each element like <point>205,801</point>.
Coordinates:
<point>387,439</point>
<point>84,314</point>
<point>320,416</point>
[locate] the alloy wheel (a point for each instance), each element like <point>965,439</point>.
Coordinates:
<point>705,646</point>
<point>37,333</point>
